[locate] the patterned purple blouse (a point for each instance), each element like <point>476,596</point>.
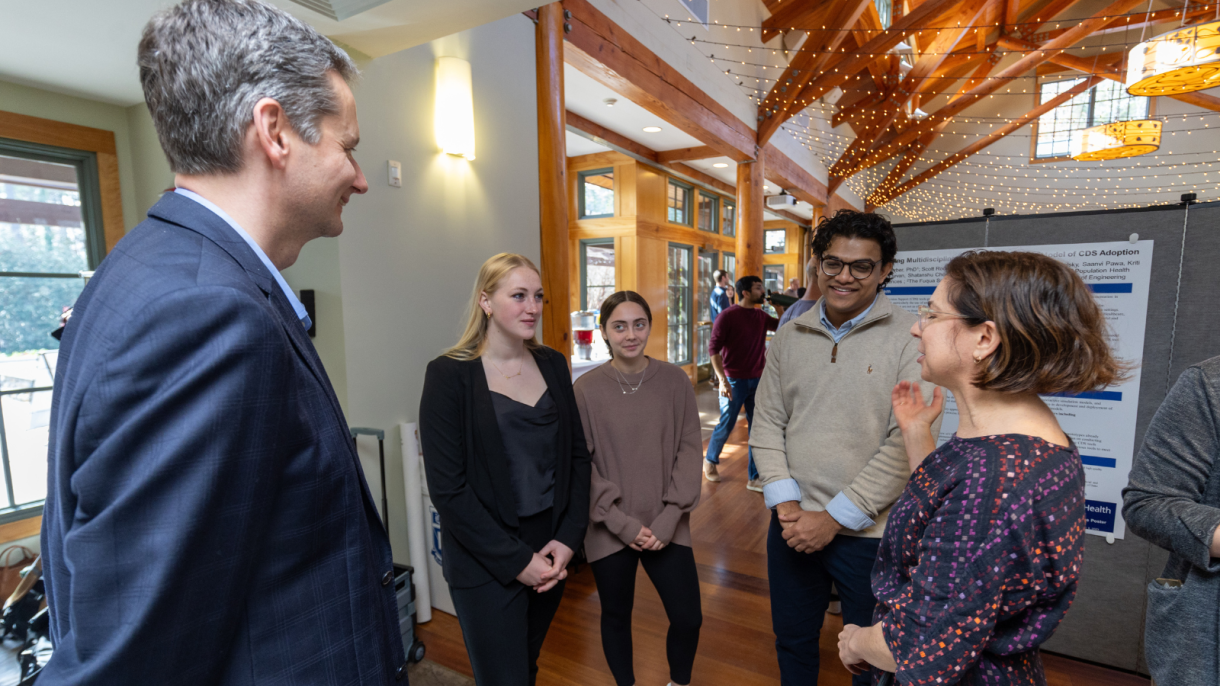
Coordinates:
<point>980,560</point>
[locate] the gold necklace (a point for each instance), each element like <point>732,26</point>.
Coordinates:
<point>506,376</point>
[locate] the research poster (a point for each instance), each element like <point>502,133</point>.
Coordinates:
<point>1102,423</point>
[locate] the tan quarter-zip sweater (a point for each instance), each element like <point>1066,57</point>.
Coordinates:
<point>822,413</point>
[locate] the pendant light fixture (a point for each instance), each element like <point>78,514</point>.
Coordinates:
<point>1181,61</point>
<point>1113,141</point>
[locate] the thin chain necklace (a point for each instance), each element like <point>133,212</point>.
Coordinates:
<point>506,376</point>
<point>623,380</point>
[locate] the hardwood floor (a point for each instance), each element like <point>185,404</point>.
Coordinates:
<point>736,645</point>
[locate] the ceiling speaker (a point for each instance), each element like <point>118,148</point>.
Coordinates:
<point>340,9</point>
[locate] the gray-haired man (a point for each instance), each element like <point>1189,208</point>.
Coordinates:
<point>207,520</point>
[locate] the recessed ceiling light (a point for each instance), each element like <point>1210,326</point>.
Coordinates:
<point>720,165</point>
<point>652,129</point>
<point>610,101</point>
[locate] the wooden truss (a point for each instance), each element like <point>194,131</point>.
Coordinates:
<point>957,47</point>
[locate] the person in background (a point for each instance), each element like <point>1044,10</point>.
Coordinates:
<point>207,519</point>
<point>794,285</point>
<point>825,439</point>
<point>508,472</point>
<point>642,426</point>
<point>738,348</point>
<point>809,297</point>
<point>982,554</point>
<point>720,300</point>
<point>1173,500</point>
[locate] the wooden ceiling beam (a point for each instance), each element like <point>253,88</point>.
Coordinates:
<point>796,14</point>
<point>965,15</point>
<point>1044,16</point>
<point>1111,72</point>
<point>791,177</point>
<point>821,46</point>
<point>794,218</point>
<point>611,56</point>
<point>1137,21</point>
<point>838,74</point>
<point>612,139</point>
<point>701,152</point>
<point>993,84</point>
<point>885,194</point>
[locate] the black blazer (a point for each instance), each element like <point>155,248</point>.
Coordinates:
<point>468,473</point>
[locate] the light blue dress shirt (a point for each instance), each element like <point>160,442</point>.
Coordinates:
<point>840,507</point>
<point>297,307</point>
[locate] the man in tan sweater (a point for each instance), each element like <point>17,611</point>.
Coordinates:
<point>828,450</point>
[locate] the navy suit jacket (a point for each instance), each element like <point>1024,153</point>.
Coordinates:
<point>207,520</point>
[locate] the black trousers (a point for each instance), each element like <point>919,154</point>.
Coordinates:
<point>504,626</point>
<point>672,571</point>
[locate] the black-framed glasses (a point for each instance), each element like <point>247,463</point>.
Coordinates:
<point>860,269</point>
<point>925,313</point>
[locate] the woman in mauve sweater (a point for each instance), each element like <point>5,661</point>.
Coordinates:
<point>642,426</point>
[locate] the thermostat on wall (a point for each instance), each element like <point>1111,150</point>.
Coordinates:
<point>396,174</point>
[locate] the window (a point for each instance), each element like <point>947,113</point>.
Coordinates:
<point>729,260</point>
<point>885,10</point>
<point>707,266</point>
<point>773,277</point>
<point>679,203</point>
<point>728,218</point>
<point>678,303</point>
<point>50,232</point>
<point>595,193</point>
<point>1104,103</point>
<point>708,209</point>
<point>596,271</point>
<point>775,241</point>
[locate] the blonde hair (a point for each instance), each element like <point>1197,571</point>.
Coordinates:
<point>493,271</point>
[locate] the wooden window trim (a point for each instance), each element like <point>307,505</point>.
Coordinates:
<point>20,127</point>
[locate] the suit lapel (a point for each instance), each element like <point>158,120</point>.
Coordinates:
<point>192,216</point>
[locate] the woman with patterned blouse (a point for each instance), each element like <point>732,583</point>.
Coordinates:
<point>982,554</point>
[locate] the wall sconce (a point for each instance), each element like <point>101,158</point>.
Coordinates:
<point>454,114</point>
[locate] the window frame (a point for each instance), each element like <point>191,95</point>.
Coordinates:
<point>580,192</point>
<point>715,200</point>
<point>688,215</point>
<point>584,264</point>
<point>88,179</point>
<point>728,229</point>
<point>1035,125</point>
<point>687,304</point>
<point>775,252</point>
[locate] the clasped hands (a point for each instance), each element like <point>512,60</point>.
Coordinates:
<point>548,567</point>
<point>805,530</point>
<point>645,540</point>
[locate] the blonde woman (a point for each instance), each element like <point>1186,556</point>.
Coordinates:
<point>508,472</point>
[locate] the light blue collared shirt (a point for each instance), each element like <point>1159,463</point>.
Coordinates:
<point>840,507</point>
<point>297,307</point>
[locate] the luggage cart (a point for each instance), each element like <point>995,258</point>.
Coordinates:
<point>404,585</point>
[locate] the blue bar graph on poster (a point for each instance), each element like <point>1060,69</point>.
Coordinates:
<point>911,290</point>
<point>1116,396</point>
<point>1110,287</point>
<point>1099,461</point>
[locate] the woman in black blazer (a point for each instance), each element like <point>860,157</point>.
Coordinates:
<point>508,472</point>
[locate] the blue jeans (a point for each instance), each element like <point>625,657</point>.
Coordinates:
<point>743,394</point>
<point>800,593</point>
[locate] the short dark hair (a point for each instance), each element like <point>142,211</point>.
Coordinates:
<point>1052,332</point>
<point>852,224</point>
<point>744,284</point>
<point>612,302</point>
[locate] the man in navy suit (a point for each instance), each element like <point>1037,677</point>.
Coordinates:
<point>207,520</point>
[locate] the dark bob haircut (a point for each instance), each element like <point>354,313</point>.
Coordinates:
<point>853,224</point>
<point>1052,332</point>
<point>612,302</point>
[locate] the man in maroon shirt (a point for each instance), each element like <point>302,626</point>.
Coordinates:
<point>739,350</point>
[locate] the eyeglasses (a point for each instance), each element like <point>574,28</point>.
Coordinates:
<point>860,269</point>
<point>925,313</point>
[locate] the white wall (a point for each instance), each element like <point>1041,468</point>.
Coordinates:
<point>408,257</point>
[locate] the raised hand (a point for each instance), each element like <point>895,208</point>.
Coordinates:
<point>910,410</point>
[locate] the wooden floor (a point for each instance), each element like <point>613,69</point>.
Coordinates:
<point>736,645</point>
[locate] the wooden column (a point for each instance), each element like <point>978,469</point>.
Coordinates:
<point>750,218</point>
<point>552,178</point>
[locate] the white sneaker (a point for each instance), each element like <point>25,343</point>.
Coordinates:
<point>755,485</point>
<point>709,472</point>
